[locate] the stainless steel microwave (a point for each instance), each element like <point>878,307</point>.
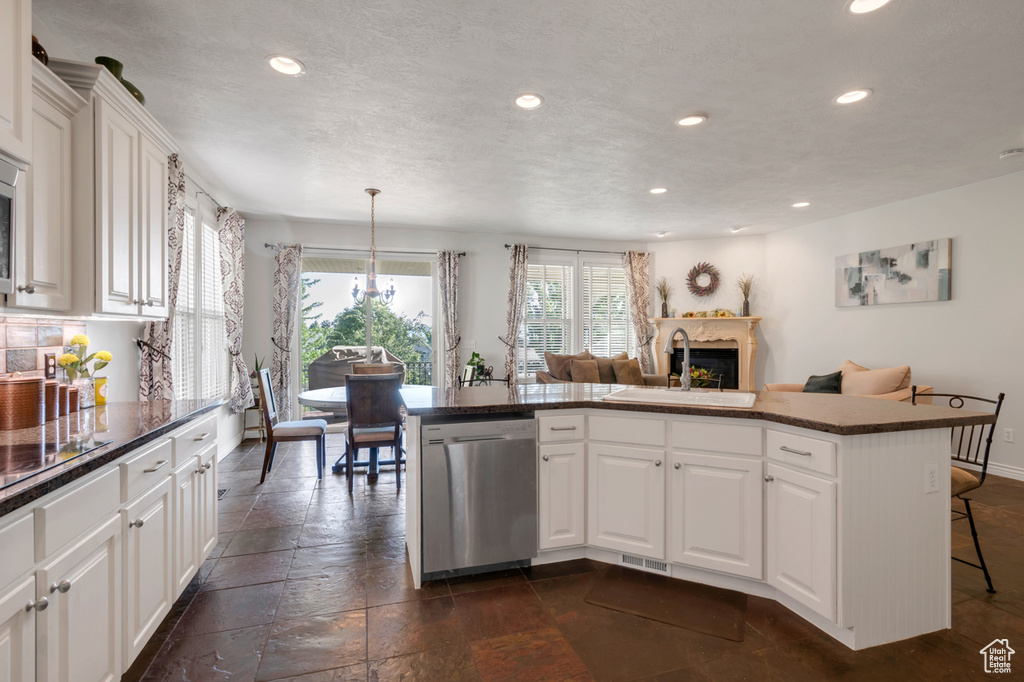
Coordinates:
<point>8,179</point>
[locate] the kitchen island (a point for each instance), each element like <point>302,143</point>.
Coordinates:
<point>835,506</point>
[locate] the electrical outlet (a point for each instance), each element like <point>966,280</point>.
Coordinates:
<point>1007,435</point>
<point>931,478</point>
<point>471,345</point>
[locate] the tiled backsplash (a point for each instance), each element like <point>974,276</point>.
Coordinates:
<point>24,341</point>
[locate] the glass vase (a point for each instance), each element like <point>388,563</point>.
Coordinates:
<point>86,391</point>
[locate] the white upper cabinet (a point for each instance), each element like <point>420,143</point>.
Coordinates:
<point>43,253</point>
<point>16,79</point>
<point>120,198</point>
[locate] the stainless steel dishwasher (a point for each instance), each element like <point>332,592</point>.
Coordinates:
<point>479,484</point>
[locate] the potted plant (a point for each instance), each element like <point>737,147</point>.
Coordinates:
<point>745,284</point>
<point>664,289</point>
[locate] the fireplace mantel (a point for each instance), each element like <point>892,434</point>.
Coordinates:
<point>711,331</point>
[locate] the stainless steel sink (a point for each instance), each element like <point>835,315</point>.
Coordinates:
<point>663,396</point>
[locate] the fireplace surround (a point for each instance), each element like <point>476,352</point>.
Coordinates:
<point>735,333</point>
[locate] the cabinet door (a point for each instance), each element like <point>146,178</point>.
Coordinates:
<point>561,495</point>
<point>117,247</point>
<point>79,634</point>
<point>626,498</point>
<point>715,513</point>
<point>18,632</point>
<point>207,510</point>
<point>44,242</point>
<point>148,566</point>
<point>802,538</point>
<point>16,77</point>
<point>186,522</point>
<point>153,262</point>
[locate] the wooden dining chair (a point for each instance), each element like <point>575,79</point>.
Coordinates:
<point>373,368</point>
<point>279,432</point>
<point>374,418</point>
<point>972,449</point>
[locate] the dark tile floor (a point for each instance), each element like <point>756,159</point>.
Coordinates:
<point>310,584</point>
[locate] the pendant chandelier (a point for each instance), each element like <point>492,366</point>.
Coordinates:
<point>371,291</point>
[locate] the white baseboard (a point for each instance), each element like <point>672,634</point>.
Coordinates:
<point>1007,470</point>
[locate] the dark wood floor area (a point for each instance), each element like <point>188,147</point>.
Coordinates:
<point>309,584</point>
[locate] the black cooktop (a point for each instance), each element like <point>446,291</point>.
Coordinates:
<point>18,462</point>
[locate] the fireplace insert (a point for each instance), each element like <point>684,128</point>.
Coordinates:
<point>724,362</point>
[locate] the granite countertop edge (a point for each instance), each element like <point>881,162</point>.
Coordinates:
<point>47,482</point>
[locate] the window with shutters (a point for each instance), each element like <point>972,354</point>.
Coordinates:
<point>607,326</point>
<point>547,315</point>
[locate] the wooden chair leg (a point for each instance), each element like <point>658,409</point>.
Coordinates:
<point>268,459</point>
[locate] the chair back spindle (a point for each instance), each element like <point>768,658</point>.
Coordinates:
<point>966,441</point>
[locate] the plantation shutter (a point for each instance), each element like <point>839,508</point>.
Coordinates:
<point>215,361</point>
<point>183,346</point>
<point>548,316</point>
<point>607,325</point>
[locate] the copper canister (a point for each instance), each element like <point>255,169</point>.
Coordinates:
<point>52,393</point>
<point>73,399</point>
<point>62,400</point>
<point>21,402</point>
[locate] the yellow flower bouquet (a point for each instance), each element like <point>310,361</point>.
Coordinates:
<point>76,362</point>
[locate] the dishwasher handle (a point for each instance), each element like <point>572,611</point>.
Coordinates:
<point>477,439</point>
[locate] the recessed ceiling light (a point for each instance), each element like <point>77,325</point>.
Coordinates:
<point>865,6</point>
<point>801,204</point>
<point>659,190</point>
<point>1010,152</point>
<point>852,96</point>
<point>529,101</point>
<point>289,66</point>
<point>692,120</point>
<point>736,229</point>
<point>661,234</point>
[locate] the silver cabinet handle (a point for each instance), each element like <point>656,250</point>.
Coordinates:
<point>563,428</point>
<point>657,462</point>
<point>156,466</point>
<point>200,470</point>
<point>137,523</point>
<point>545,457</point>
<point>678,465</point>
<point>38,604</point>
<point>208,465</point>
<point>27,289</point>
<point>148,303</point>
<point>201,437</point>
<point>769,479</point>
<point>795,452</point>
<point>63,586</point>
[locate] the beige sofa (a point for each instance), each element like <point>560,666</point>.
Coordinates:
<point>560,366</point>
<point>891,383</point>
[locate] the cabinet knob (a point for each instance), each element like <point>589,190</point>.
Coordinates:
<point>657,462</point>
<point>200,470</point>
<point>149,303</point>
<point>62,587</point>
<point>27,289</point>
<point>137,523</point>
<point>769,478</point>
<point>678,465</point>
<point>38,604</point>
<point>545,457</point>
<point>208,465</point>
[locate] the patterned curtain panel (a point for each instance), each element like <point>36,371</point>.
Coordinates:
<point>516,299</point>
<point>231,230</point>
<point>448,280</point>
<point>638,287</point>
<point>156,381</point>
<point>287,280</point>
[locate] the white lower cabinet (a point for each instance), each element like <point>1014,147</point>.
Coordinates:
<point>715,518</point>
<point>561,490</point>
<point>148,555</point>
<point>18,631</point>
<point>78,636</point>
<point>206,525</point>
<point>801,537</point>
<point>186,521</point>
<point>626,499</point>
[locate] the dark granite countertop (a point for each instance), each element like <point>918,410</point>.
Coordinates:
<point>127,425</point>
<point>838,414</point>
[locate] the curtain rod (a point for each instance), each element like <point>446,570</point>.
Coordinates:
<point>556,248</point>
<point>386,252</point>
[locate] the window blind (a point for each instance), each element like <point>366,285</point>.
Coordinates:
<point>183,343</point>
<point>607,325</point>
<point>215,360</point>
<point>548,316</point>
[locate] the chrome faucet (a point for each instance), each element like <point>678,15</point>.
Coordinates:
<point>684,375</point>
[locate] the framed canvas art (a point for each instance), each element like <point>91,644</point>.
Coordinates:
<point>912,273</point>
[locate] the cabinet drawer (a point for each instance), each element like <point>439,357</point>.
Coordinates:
<point>16,555</point>
<point>561,428</point>
<point>627,430</point>
<point>801,451</point>
<point>144,470</point>
<point>70,515</point>
<point>193,438</point>
<point>743,440</point>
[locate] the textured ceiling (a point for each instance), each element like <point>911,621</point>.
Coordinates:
<point>415,97</point>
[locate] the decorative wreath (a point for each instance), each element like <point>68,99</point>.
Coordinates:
<point>703,269</point>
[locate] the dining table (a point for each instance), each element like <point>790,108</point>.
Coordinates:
<point>333,399</point>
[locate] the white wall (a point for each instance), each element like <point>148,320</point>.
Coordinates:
<point>118,337</point>
<point>969,344</point>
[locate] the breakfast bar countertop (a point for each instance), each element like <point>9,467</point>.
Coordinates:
<point>127,426</point>
<point>836,414</point>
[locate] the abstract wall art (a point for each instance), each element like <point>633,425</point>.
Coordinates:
<point>911,273</point>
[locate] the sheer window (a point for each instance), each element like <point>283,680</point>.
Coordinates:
<point>548,317</point>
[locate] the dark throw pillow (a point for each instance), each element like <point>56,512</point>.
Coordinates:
<point>826,383</point>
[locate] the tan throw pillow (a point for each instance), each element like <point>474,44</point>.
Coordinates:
<point>584,371</point>
<point>628,372</point>
<point>874,381</point>
<point>605,369</point>
<point>558,365</point>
